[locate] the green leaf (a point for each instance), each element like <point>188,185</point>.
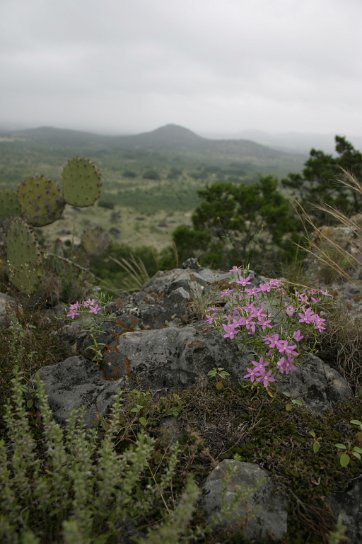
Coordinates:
<point>356,455</point>
<point>357,449</point>
<point>288,407</point>
<point>356,422</point>
<point>340,446</point>
<point>312,433</point>
<point>143,421</point>
<point>212,373</point>
<point>344,459</point>
<point>316,447</point>
<point>297,402</point>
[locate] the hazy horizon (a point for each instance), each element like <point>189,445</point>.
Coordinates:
<point>219,68</point>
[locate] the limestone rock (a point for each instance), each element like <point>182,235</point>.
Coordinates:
<point>348,506</point>
<point>7,306</point>
<point>240,498</point>
<point>316,384</point>
<point>75,383</point>
<point>173,357</point>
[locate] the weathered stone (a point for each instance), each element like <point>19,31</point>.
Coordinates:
<point>75,383</point>
<point>347,506</point>
<point>316,384</point>
<point>240,498</point>
<point>174,356</point>
<point>7,307</point>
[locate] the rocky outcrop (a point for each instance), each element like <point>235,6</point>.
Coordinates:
<point>157,343</point>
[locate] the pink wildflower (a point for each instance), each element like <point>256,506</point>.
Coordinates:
<point>290,310</point>
<point>95,309</point>
<point>250,375</point>
<point>271,340</point>
<point>297,336</point>
<point>284,347</point>
<point>230,331</point>
<point>73,310</point>
<point>265,287</point>
<point>259,366</point>
<point>226,293</point>
<point>264,323</point>
<point>89,302</point>
<point>285,365</point>
<point>267,378</point>
<point>244,281</point>
<point>252,291</point>
<point>306,316</point>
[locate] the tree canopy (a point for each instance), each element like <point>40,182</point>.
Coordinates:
<point>320,181</point>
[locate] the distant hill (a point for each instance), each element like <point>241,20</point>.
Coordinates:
<point>169,138</point>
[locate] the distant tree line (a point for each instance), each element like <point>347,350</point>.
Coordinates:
<point>239,223</point>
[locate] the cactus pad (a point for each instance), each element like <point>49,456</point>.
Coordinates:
<point>81,182</point>
<point>95,241</point>
<point>9,204</point>
<point>23,256</point>
<point>41,201</point>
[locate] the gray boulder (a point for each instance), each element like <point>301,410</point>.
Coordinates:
<point>240,498</point>
<point>169,297</point>
<point>7,307</point>
<point>347,506</point>
<point>316,384</point>
<point>172,357</point>
<point>77,383</point>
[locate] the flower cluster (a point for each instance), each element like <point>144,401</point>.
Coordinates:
<point>277,324</point>
<point>90,305</point>
<point>92,326</point>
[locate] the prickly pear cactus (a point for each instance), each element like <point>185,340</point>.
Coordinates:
<point>94,240</point>
<point>23,256</point>
<point>9,204</point>
<point>81,182</point>
<point>41,201</point>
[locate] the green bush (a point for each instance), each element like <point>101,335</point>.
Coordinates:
<point>240,224</point>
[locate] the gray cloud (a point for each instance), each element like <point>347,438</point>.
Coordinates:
<point>212,65</point>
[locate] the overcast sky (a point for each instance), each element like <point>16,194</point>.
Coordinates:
<point>215,66</point>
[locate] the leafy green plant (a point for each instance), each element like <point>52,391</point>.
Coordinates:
<point>338,535</point>
<point>69,485</point>
<point>219,374</point>
<point>292,402</point>
<point>358,424</point>
<point>316,444</point>
<point>346,452</point>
